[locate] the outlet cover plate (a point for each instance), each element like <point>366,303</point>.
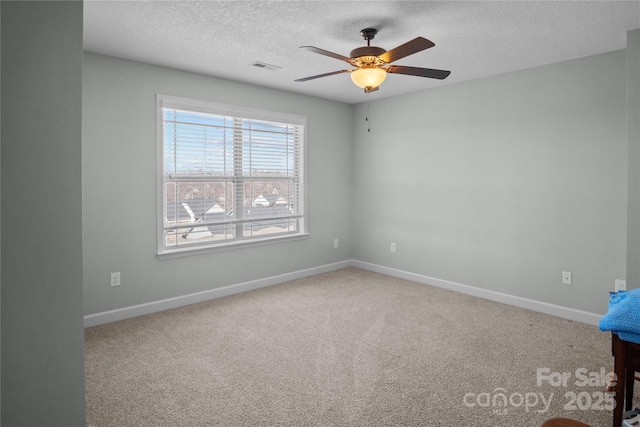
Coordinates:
<point>115,279</point>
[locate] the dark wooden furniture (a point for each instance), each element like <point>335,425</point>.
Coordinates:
<point>626,362</point>
<point>563,422</point>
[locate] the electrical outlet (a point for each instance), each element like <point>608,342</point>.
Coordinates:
<point>566,277</point>
<point>393,247</point>
<point>621,285</point>
<point>115,279</point>
<point>336,243</point>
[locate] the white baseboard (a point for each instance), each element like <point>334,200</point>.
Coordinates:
<point>541,307</point>
<point>166,304</point>
<point>180,301</point>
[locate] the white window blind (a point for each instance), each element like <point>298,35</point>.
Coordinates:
<point>229,175</point>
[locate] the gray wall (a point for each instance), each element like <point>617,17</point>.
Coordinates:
<point>42,326</point>
<point>119,185</point>
<point>501,183</point>
<point>633,158</point>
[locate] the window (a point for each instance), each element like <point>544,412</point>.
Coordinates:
<point>228,176</point>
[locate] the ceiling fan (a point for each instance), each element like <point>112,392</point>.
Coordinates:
<point>372,63</point>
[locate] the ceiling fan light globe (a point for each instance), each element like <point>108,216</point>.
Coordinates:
<point>368,77</point>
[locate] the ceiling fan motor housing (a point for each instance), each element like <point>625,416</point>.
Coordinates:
<point>366,51</point>
<point>367,56</point>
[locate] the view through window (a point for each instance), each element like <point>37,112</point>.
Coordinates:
<point>229,175</point>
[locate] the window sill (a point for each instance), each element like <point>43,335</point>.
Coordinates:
<point>182,252</point>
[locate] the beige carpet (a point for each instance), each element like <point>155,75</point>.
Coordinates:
<point>346,348</point>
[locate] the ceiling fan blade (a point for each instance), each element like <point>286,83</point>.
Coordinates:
<point>322,75</point>
<point>420,72</point>
<point>326,53</point>
<point>409,48</point>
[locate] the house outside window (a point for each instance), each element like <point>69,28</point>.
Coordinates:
<point>228,176</point>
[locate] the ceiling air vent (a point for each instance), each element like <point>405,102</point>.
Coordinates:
<point>265,66</point>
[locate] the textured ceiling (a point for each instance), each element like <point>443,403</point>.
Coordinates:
<point>473,39</point>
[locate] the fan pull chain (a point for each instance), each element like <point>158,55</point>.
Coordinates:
<point>367,113</point>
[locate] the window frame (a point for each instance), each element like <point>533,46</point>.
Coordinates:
<point>241,112</point>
